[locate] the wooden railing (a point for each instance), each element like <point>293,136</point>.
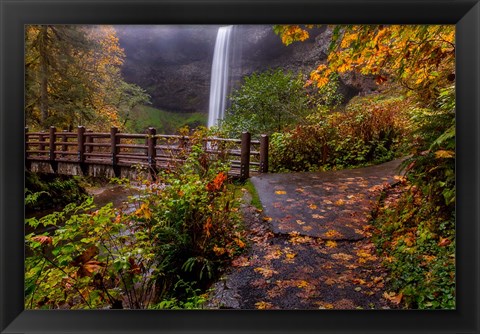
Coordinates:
<point>151,150</point>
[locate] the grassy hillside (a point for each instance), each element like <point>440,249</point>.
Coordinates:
<point>165,122</point>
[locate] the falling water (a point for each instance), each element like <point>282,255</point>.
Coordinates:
<point>219,79</point>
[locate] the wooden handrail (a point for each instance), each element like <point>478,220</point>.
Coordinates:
<point>54,146</point>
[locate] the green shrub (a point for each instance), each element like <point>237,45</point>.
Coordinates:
<point>45,191</point>
<point>266,102</point>
<point>371,130</point>
<point>167,245</point>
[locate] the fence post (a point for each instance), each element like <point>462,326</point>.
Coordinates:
<point>81,149</point>
<point>245,156</point>
<point>152,151</point>
<point>114,149</point>
<point>264,154</point>
<point>51,149</point>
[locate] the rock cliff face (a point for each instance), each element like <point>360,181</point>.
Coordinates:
<point>173,63</point>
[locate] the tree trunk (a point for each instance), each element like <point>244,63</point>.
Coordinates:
<point>42,45</point>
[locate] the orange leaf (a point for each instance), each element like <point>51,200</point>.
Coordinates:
<point>444,242</point>
<point>393,297</point>
<point>263,305</point>
<point>43,239</point>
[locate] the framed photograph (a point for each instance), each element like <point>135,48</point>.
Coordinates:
<point>66,64</point>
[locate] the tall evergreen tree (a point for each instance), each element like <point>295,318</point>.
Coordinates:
<point>72,76</point>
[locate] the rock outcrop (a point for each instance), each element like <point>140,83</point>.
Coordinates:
<point>173,63</point>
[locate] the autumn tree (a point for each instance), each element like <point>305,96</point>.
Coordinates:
<point>72,76</point>
<point>419,57</point>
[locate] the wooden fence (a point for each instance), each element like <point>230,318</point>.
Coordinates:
<point>151,150</point>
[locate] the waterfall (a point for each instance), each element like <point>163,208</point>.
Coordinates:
<point>219,78</point>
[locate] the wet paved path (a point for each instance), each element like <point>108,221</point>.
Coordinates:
<point>311,247</point>
<point>315,204</point>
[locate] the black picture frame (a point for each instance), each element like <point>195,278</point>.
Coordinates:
<point>465,14</point>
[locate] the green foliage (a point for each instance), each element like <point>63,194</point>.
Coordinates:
<point>418,234</point>
<point>169,243</point>
<point>266,102</point>
<point>255,201</point>
<point>142,117</point>
<point>417,239</point>
<point>72,76</point>
<point>371,130</point>
<point>44,191</point>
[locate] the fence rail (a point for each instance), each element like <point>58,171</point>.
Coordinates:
<point>149,149</point>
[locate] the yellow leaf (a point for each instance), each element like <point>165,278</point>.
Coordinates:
<point>444,154</point>
<point>144,211</point>
<point>290,255</point>
<point>312,206</point>
<point>332,234</point>
<point>321,81</point>
<point>331,244</point>
<point>263,305</point>
<point>219,250</point>
<point>280,192</point>
<point>302,284</point>
<point>265,272</point>
<point>240,243</point>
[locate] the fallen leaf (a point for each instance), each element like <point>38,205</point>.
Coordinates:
<point>332,234</point>
<point>300,222</point>
<point>331,244</point>
<point>290,255</point>
<point>330,281</point>
<point>263,305</point>
<point>323,306</point>
<point>280,192</point>
<point>317,216</point>
<point>273,254</point>
<point>358,281</point>
<point>241,261</point>
<point>340,202</point>
<point>312,206</point>
<point>393,297</point>
<point>265,272</point>
<point>302,284</point>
